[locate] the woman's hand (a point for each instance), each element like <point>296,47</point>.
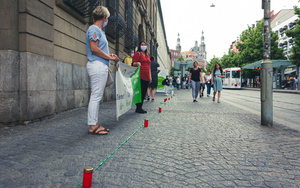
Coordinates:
<point>219,76</point>
<point>114,58</point>
<point>136,64</point>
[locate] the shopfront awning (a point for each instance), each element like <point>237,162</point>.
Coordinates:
<point>276,64</point>
<point>289,72</point>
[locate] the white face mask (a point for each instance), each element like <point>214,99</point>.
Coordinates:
<point>143,48</point>
<point>132,54</point>
<point>105,23</point>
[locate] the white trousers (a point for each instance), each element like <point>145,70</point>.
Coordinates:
<point>97,72</point>
<point>166,89</point>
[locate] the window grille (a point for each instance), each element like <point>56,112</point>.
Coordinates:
<point>116,24</point>
<point>130,41</point>
<point>83,7</point>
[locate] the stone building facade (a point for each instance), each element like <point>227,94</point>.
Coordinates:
<point>163,51</point>
<point>43,52</point>
<point>284,20</point>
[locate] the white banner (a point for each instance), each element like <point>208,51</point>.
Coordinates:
<point>128,88</point>
<point>161,76</point>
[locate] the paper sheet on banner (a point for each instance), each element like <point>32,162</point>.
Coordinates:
<point>128,88</point>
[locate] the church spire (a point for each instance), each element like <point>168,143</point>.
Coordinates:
<point>202,40</point>
<point>178,47</point>
<point>202,51</point>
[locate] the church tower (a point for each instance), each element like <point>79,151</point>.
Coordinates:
<point>178,47</point>
<point>202,52</point>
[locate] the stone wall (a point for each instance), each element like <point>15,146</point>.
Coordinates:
<point>9,85</point>
<point>50,86</point>
<point>69,37</point>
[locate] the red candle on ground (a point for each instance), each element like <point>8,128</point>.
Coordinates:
<point>146,123</point>
<point>87,177</point>
<point>159,110</point>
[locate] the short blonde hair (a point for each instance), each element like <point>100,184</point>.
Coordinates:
<point>100,12</point>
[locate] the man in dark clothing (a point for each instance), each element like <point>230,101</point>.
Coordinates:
<point>155,69</point>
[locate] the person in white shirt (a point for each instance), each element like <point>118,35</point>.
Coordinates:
<point>178,82</point>
<point>166,83</point>
<point>208,83</point>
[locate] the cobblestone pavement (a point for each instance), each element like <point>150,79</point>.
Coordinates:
<point>201,144</point>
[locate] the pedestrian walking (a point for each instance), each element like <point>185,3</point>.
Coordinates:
<point>292,82</point>
<point>178,82</point>
<point>97,66</point>
<point>183,81</point>
<point>202,82</point>
<point>155,69</point>
<point>174,82</point>
<point>166,83</point>
<point>128,59</point>
<point>142,59</point>
<point>194,77</point>
<point>208,82</point>
<point>296,82</point>
<point>258,82</point>
<point>216,79</point>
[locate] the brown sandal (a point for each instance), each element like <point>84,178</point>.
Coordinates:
<point>104,129</point>
<point>98,131</point>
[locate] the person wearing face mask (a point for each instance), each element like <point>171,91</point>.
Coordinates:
<point>128,59</point>
<point>142,59</point>
<point>97,67</point>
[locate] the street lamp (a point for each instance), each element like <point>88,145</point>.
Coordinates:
<point>212,5</point>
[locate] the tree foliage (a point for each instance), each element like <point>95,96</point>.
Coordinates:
<point>295,33</point>
<point>181,58</point>
<point>212,63</point>
<point>251,45</point>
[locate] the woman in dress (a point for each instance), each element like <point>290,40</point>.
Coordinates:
<point>141,58</point>
<point>97,67</point>
<point>216,80</point>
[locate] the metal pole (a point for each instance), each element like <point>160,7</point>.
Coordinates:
<point>267,71</point>
<point>182,72</point>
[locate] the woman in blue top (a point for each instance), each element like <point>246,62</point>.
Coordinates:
<point>97,66</point>
<point>216,80</point>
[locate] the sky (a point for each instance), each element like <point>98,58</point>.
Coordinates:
<point>221,24</point>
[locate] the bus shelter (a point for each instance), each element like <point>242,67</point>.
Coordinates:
<point>277,64</point>
<point>183,65</point>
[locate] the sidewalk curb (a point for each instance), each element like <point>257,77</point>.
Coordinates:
<point>275,90</point>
